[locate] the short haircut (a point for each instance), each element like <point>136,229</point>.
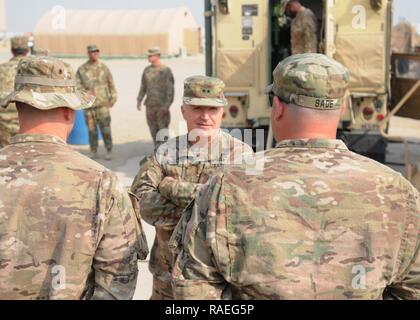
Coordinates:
<point>20,51</point>
<point>27,108</point>
<point>308,113</point>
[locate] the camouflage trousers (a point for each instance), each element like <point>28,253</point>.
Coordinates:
<point>162,290</point>
<point>99,116</point>
<point>158,118</point>
<point>7,131</point>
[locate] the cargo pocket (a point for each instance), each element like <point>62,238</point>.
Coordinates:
<point>141,245</point>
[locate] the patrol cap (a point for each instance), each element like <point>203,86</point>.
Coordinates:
<point>280,12</point>
<point>93,48</point>
<point>20,42</point>
<point>47,83</point>
<point>310,80</point>
<point>204,91</point>
<point>154,51</point>
<point>283,6</point>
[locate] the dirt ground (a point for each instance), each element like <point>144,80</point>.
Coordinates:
<point>132,138</point>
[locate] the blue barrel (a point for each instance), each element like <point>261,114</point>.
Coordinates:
<point>80,134</point>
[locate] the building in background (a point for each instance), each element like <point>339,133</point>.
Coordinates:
<point>118,33</point>
<point>405,37</point>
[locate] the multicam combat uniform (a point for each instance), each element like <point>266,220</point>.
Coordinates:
<point>157,84</point>
<point>64,218</point>
<point>96,79</point>
<point>167,183</point>
<point>9,120</point>
<point>320,222</point>
<point>67,228</point>
<point>304,32</point>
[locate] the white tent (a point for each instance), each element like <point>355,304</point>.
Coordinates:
<point>118,33</point>
<point>2,16</point>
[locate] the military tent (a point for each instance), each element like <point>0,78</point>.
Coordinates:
<point>118,33</point>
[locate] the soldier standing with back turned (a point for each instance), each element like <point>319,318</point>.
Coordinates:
<point>157,84</point>
<point>68,229</point>
<point>320,222</point>
<point>95,78</point>
<point>9,121</point>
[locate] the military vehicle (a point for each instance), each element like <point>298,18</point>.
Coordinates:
<point>245,41</point>
<point>405,102</point>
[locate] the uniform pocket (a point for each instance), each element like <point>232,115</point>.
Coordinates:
<point>142,247</point>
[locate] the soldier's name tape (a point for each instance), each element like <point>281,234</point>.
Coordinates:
<point>316,103</point>
<point>44,81</point>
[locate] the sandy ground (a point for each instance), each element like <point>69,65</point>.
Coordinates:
<point>132,138</point>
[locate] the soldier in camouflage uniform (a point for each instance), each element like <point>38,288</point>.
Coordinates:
<point>9,121</point>
<point>68,229</point>
<point>167,181</point>
<point>304,27</point>
<point>320,222</point>
<point>157,84</point>
<point>95,78</point>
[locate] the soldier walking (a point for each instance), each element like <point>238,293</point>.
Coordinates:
<point>157,84</point>
<point>95,78</point>
<point>9,120</point>
<point>304,27</point>
<point>68,229</point>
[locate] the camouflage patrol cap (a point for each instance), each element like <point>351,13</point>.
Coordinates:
<point>20,42</point>
<point>280,12</point>
<point>47,83</point>
<point>204,91</point>
<point>283,6</point>
<point>154,51</point>
<point>310,80</point>
<point>93,48</point>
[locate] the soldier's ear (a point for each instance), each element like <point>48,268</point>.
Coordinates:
<point>346,102</point>
<point>343,109</point>
<point>278,108</point>
<point>69,114</point>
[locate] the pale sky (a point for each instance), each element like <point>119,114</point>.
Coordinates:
<point>22,15</point>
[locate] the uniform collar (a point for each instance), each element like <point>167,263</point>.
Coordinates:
<point>217,136</point>
<point>313,143</point>
<point>44,138</point>
<point>17,58</point>
<point>180,149</point>
<point>94,63</point>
